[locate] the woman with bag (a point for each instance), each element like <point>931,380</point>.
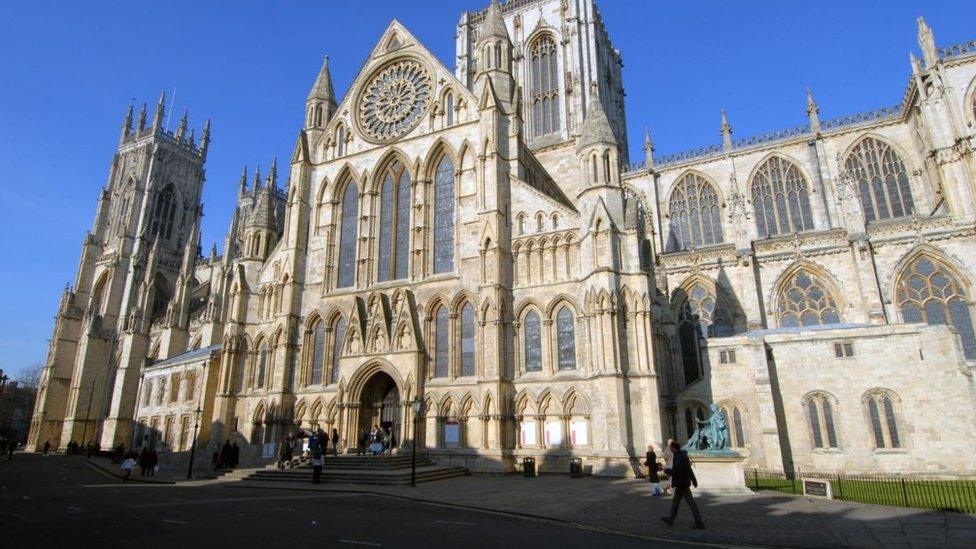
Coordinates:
<point>652,470</point>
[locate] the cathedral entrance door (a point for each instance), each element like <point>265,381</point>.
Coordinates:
<point>380,406</point>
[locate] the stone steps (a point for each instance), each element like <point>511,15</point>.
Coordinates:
<point>385,471</point>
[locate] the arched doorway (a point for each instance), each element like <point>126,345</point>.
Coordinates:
<point>380,406</point>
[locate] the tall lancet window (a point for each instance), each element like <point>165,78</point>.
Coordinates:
<point>545,86</point>
<point>394,223</point>
<point>882,181</point>
<point>696,218</point>
<point>347,236</point>
<point>779,193</point>
<point>533,342</point>
<point>318,353</point>
<point>444,216</point>
<point>467,340</point>
<point>164,214</point>
<point>338,337</point>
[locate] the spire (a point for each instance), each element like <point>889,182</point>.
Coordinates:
<point>127,123</point>
<point>648,149</point>
<point>205,140</point>
<point>494,24</point>
<point>213,251</point>
<point>142,117</point>
<point>160,111</point>
<point>596,127</point>
<point>926,41</point>
<point>726,133</point>
<point>322,89</point>
<point>273,175</point>
<point>242,186</point>
<point>181,131</point>
<point>813,112</point>
<point>257,179</point>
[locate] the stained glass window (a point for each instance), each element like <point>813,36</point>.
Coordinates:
<point>821,414</point>
<point>164,214</point>
<point>545,86</point>
<point>467,341</point>
<point>262,363</point>
<point>696,219</point>
<point>882,180</point>
<point>781,199</point>
<point>533,342</point>
<point>318,352</point>
<point>805,301</point>
<point>444,217</point>
<point>928,292</point>
<point>701,307</point>
<point>348,234</point>
<point>441,344</point>
<point>338,337</point>
<point>566,339</point>
<point>394,223</point>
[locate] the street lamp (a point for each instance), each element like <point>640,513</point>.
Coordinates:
<point>418,408</point>
<point>193,443</point>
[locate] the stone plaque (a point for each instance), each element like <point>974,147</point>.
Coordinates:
<point>817,487</point>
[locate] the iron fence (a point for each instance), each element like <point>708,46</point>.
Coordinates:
<point>901,491</point>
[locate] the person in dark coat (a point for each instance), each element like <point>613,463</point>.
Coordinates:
<point>335,442</point>
<point>682,479</point>
<point>235,455</point>
<point>47,447</point>
<point>144,461</point>
<point>652,473</point>
<point>152,461</point>
<point>225,455</point>
<point>363,441</point>
<point>317,465</point>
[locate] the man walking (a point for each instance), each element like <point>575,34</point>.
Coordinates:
<point>682,478</point>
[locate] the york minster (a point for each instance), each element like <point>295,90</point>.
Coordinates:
<point>469,257</point>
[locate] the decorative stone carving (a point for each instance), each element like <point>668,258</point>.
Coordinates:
<point>394,100</point>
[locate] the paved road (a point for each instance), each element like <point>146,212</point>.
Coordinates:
<point>57,500</point>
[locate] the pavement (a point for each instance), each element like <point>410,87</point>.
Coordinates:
<point>622,510</point>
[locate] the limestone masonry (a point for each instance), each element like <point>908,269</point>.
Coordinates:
<point>469,257</point>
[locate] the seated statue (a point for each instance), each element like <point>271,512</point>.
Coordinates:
<point>712,434</point>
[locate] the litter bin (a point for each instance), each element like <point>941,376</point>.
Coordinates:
<point>528,467</point>
<point>576,467</point>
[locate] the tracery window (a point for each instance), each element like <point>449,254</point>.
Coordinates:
<point>734,420</point>
<point>532,330</point>
<point>806,301</point>
<point>318,353</point>
<point>820,412</point>
<point>441,343</point>
<point>884,425</point>
<point>164,214</point>
<point>781,199</point>
<point>695,216</point>
<point>702,307</point>
<point>338,337</point>
<point>928,292</point>
<point>394,223</point>
<point>347,236</point>
<point>566,339</point>
<point>444,216</point>
<point>467,341</point>
<point>545,86</point>
<point>882,180</point>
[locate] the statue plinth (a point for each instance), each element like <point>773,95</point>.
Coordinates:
<point>719,472</point>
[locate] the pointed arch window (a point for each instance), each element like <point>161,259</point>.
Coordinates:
<point>701,306</point>
<point>449,109</point>
<point>734,419</point>
<point>441,343</point>
<point>318,353</point>
<point>884,424</point>
<point>929,292</point>
<point>820,412</point>
<point>239,368</point>
<point>882,180</point>
<point>444,197</point>
<point>566,339</point>
<point>348,232</point>
<point>467,341</point>
<point>164,214</point>
<point>341,140</point>
<point>781,198</point>
<point>806,301</point>
<point>532,329</point>
<point>262,364</point>
<point>394,223</point>
<point>544,86</point>
<point>696,218</point>
<point>338,337</point>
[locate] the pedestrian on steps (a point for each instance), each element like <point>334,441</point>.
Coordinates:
<point>335,442</point>
<point>316,465</point>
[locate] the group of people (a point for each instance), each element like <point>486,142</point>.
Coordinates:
<point>228,457</point>
<point>377,441</point>
<point>148,461</point>
<point>7,446</point>
<point>677,468</point>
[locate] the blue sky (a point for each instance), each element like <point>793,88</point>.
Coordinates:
<point>71,68</point>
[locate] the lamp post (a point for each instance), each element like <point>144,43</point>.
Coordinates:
<point>193,443</point>
<point>418,408</point>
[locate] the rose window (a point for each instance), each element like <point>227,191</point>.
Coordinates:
<point>394,100</point>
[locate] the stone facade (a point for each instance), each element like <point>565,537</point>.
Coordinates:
<point>468,258</point>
